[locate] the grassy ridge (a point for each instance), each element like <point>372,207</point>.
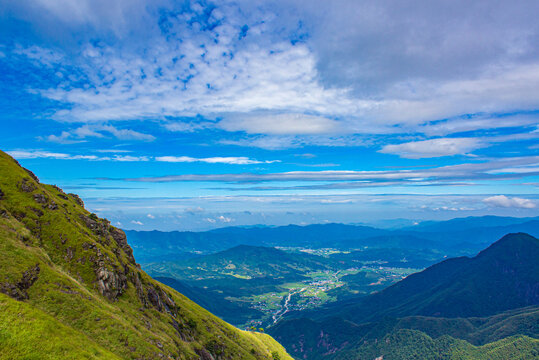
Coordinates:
<point>58,259</point>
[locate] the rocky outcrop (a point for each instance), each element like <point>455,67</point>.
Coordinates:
<point>32,175</point>
<point>102,227</point>
<point>110,283</point>
<point>135,279</point>
<point>120,238</point>
<point>77,199</point>
<point>93,223</point>
<point>161,300</point>
<point>52,205</point>
<point>204,354</point>
<point>40,198</point>
<point>19,290</point>
<point>27,185</point>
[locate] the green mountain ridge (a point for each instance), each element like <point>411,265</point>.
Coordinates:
<point>245,261</point>
<point>451,236</point>
<point>70,288</point>
<point>459,308</point>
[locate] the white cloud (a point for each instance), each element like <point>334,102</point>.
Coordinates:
<point>38,154</point>
<point>231,160</point>
<point>451,126</point>
<point>150,216</point>
<point>117,151</point>
<point>126,134</point>
<point>224,219</point>
<point>194,210</point>
<point>508,202</point>
<point>221,218</point>
<point>468,171</point>
<point>136,222</point>
<point>96,130</point>
<point>24,154</point>
<point>181,126</point>
<point>349,73</point>
<point>127,158</point>
<point>280,124</point>
<point>241,160</point>
<point>434,147</point>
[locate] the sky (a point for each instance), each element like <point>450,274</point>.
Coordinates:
<point>192,115</point>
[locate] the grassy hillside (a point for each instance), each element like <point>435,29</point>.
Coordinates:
<point>73,289</point>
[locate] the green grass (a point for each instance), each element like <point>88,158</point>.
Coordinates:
<point>65,316</point>
<point>28,333</point>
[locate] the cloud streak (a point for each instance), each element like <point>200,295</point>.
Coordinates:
<point>38,154</point>
<point>487,170</point>
<point>434,148</point>
<point>241,160</point>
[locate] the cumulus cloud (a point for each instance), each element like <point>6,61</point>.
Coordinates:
<point>434,147</point>
<point>287,73</point>
<point>199,61</point>
<point>221,219</point>
<point>508,202</point>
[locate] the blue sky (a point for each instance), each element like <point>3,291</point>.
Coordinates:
<point>192,115</point>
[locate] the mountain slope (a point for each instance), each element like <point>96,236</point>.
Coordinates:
<point>502,277</point>
<point>462,298</point>
<point>337,338</point>
<point>71,279</point>
<point>216,303</point>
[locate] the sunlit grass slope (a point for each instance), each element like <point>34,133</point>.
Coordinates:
<point>73,289</point>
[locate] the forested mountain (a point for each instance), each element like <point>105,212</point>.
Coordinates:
<point>464,298</point>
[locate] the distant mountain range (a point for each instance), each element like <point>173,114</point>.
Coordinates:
<point>452,306</point>
<point>452,236</point>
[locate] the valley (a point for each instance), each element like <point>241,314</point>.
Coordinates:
<point>287,281</point>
